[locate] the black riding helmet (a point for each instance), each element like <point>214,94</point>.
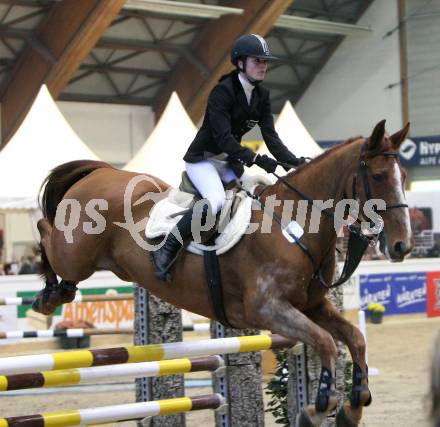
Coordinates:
<point>250,45</point>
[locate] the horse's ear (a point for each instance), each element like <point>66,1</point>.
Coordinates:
<point>399,136</point>
<point>377,135</point>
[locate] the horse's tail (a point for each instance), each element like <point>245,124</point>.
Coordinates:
<point>60,180</point>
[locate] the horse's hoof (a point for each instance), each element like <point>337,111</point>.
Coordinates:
<point>343,421</point>
<point>303,419</point>
<point>42,305</point>
<point>66,291</point>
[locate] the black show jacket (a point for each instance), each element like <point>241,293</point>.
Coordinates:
<point>228,117</point>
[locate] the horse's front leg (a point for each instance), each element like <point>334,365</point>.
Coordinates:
<point>328,317</point>
<point>53,295</point>
<point>280,317</point>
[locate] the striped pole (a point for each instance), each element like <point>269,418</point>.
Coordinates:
<point>87,332</point>
<point>136,354</point>
<point>196,327</point>
<point>108,414</point>
<point>134,370</point>
<point>78,299</point>
<point>69,333</point>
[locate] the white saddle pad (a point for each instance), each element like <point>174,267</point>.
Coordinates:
<point>161,221</point>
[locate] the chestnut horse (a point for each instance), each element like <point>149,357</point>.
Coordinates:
<point>268,282</point>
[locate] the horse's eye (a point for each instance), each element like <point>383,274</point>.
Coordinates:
<point>379,177</point>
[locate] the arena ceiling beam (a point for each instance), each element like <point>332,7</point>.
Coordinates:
<point>138,45</point>
<point>54,54</point>
<point>100,68</point>
<point>105,99</point>
<point>212,49</point>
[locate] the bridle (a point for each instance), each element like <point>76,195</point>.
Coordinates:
<point>363,172</point>
<point>358,241</point>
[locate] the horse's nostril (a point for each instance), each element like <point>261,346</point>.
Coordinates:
<point>400,248</point>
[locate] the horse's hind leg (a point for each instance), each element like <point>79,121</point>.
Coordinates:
<point>329,318</point>
<point>282,318</point>
<point>54,294</point>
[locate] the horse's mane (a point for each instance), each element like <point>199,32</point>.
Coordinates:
<point>326,153</point>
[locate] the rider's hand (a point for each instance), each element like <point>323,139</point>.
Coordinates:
<point>301,160</point>
<point>294,162</point>
<point>266,163</point>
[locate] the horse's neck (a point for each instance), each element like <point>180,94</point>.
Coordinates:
<point>326,178</point>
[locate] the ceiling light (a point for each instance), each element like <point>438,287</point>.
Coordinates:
<point>178,8</point>
<point>319,26</point>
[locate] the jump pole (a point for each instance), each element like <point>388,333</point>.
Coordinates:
<point>78,299</point>
<point>136,354</point>
<point>87,332</point>
<point>64,377</point>
<point>108,414</point>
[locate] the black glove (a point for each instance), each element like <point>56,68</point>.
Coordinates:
<point>294,162</point>
<point>266,163</point>
<point>301,160</point>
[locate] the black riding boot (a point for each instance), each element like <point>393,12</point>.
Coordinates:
<point>163,257</point>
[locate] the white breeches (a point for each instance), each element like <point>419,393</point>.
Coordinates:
<point>208,176</point>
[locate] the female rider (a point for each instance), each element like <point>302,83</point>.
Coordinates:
<point>215,157</point>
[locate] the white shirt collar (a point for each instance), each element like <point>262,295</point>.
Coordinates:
<point>247,87</point>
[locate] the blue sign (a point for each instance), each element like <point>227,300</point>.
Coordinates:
<point>325,145</point>
<point>417,151</point>
<point>399,293</point>
<point>423,151</point>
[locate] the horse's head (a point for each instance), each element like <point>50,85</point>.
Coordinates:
<point>382,177</point>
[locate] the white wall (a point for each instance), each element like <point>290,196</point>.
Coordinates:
<point>114,132</point>
<point>348,97</point>
<point>19,236</point>
<point>424,66</point>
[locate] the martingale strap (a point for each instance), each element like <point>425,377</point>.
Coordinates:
<point>357,245</point>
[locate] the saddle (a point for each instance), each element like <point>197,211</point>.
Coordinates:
<point>232,222</point>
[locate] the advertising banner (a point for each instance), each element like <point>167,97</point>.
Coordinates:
<point>102,314</point>
<point>433,293</point>
<point>420,151</point>
<point>399,293</point>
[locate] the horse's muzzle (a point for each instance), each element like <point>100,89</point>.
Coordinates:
<point>399,250</point>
